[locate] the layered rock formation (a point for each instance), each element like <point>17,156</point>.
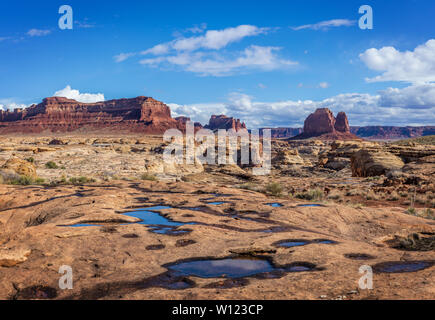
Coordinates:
<point>224,122</point>
<point>366,163</point>
<point>392,132</point>
<point>57,114</point>
<point>283,132</point>
<point>182,120</point>
<point>323,125</point>
<point>367,132</point>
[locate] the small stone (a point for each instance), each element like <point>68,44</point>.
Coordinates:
<point>12,257</point>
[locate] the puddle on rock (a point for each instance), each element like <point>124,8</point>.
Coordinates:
<point>155,247</point>
<point>157,223</point>
<point>301,242</point>
<point>233,267</point>
<point>402,266</point>
<point>274,204</point>
<point>291,243</point>
<point>359,256</point>
<point>36,292</point>
<point>77,225</point>
<point>130,235</point>
<point>184,242</point>
<point>227,284</point>
<point>216,203</point>
<point>310,205</point>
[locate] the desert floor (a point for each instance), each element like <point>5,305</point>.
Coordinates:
<point>211,213</point>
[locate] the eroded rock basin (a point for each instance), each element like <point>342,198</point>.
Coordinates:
<point>233,267</point>
<point>250,249</point>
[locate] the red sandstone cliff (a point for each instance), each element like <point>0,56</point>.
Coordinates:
<point>224,122</point>
<point>57,114</point>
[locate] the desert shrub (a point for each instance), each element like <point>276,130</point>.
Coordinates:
<point>352,192</point>
<point>274,189</point>
<point>411,210</point>
<point>51,165</point>
<point>427,213</point>
<point>148,177</point>
<point>420,199</point>
<point>370,195</point>
<point>80,180</point>
<point>358,205</point>
<point>334,196</point>
<point>30,159</point>
<point>394,196</point>
<point>248,186</point>
<point>312,194</point>
<point>25,181</point>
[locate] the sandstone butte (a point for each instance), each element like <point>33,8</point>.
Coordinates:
<point>323,125</point>
<point>137,115</point>
<point>224,122</point>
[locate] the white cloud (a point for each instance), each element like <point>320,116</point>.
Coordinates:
<point>157,49</point>
<point>197,29</point>
<point>38,32</point>
<point>69,93</point>
<point>123,56</point>
<point>324,85</point>
<point>413,105</point>
<point>324,25</point>
<point>215,64</point>
<point>217,39</point>
<point>10,104</point>
<point>201,55</point>
<point>416,66</point>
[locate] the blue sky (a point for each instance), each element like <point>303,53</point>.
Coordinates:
<point>270,63</point>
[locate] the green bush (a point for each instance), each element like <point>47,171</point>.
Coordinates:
<point>25,181</point>
<point>148,177</point>
<point>80,180</point>
<point>51,165</point>
<point>411,210</point>
<point>274,189</point>
<point>31,160</point>
<point>312,194</point>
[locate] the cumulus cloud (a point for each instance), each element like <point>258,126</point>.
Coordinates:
<point>69,93</point>
<point>203,54</point>
<point>38,32</point>
<point>401,107</point>
<point>324,85</point>
<point>10,104</point>
<point>417,66</point>
<point>213,39</point>
<point>324,25</point>
<point>253,57</point>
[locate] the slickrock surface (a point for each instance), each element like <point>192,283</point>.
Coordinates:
<point>76,217</point>
<point>111,260</point>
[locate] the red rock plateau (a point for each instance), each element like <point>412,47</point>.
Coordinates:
<point>324,126</point>
<point>57,114</point>
<point>224,122</point>
<point>367,132</point>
